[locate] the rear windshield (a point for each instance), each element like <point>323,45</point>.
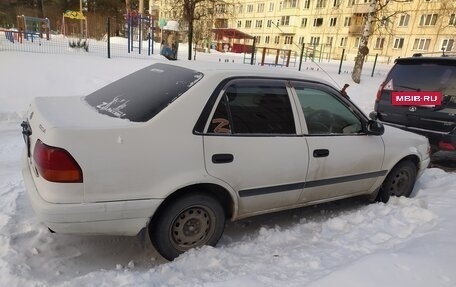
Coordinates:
<point>424,77</point>
<point>141,95</point>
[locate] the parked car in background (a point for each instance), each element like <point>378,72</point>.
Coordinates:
<point>179,148</point>
<point>421,74</point>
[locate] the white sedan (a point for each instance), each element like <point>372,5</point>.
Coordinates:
<point>177,149</point>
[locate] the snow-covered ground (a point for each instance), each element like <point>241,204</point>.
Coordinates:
<point>407,242</point>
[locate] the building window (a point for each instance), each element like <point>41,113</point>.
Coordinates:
<point>259,24</point>
<point>269,24</point>
<point>447,45</point>
<point>239,24</point>
<point>336,3</point>
<point>285,21</point>
<point>290,4</point>
<point>347,21</point>
<point>318,22</point>
<point>266,39</point>
<point>357,42</point>
<point>321,4</point>
<point>329,41</point>
<point>379,43</point>
<point>240,8</point>
<point>220,8</point>
<point>343,42</point>
<point>250,8</point>
<point>398,43</point>
<point>301,40</point>
<point>271,6</point>
<point>248,23</point>
<point>428,20</point>
<point>404,20</point>
<point>332,22</point>
<point>276,39</point>
<point>452,21</point>
<point>288,39</point>
<point>303,22</point>
<point>306,4</point>
<point>314,41</point>
<point>421,44</point>
<point>260,8</point>
<point>257,39</point>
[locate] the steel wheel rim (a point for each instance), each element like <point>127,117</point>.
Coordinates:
<point>192,227</point>
<point>400,183</point>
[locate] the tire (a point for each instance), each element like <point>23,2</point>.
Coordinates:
<point>399,182</point>
<point>187,222</point>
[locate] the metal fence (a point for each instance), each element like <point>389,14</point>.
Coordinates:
<point>11,40</point>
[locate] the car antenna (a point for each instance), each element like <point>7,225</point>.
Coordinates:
<point>343,91</point>
<point>329,76</point>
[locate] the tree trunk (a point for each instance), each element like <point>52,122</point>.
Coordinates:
<point>128,5</point>
<point>363,50</point>
<point>190,39</point>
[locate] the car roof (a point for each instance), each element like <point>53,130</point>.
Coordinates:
<point>427,59</point>
<point>243,70</point>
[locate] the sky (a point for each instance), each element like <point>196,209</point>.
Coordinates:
<point>407,242</point>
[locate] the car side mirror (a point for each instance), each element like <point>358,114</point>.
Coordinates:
<point>375,128</point>
<point>373,115</point>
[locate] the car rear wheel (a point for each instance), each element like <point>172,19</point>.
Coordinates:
<point>399,182</point>
<point>189,221</point>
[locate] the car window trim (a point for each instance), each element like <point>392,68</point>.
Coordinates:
<point>328,89</point>
<point>209,109</point>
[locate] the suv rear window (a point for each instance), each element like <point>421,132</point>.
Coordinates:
<point>141,95</point>
<point>424,76</point>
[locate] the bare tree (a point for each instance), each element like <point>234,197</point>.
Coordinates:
<point>363,50</point>
<point>378,16</point>
<point>192,11</point>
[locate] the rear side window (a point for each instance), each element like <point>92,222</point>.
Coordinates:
<point>423,77</point>
<point>254,106</point>
<point>141,95</point>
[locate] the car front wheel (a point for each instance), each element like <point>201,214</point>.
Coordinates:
<point>399,182</point>
<point>189,221</point>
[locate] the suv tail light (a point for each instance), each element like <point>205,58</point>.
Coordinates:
<point>446,146</point>
<point>379,93</point>
<point>56,164</point>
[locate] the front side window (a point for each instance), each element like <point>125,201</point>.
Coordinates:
<point>253,107</point>
<point>325,113</point>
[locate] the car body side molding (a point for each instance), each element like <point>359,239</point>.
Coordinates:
<point>309,184</point>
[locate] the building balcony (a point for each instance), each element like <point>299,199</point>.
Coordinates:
<point>287,29</point>
<point>355,30</point>
<point>361,8</point>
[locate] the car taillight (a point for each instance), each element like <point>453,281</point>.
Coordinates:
<point>56,164</point>
<point>446,146</point>
<point>379,93</point>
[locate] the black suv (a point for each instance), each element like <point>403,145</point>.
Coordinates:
<point>415,74</point>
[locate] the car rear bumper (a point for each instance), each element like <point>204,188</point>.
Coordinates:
<point>116,218</point>
<point>435,137</point>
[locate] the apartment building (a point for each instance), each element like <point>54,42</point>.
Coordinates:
<point>327,28</point>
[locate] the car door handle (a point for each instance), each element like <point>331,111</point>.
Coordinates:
<point>222,158</point>
<point>320,153</point>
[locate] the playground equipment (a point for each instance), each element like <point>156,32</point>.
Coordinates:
<point>74,24</point>
<point>227,40</point>
<point>170,44</point>
<point>284,54</point>
<point>137,26</point>
<point>32,27</point>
